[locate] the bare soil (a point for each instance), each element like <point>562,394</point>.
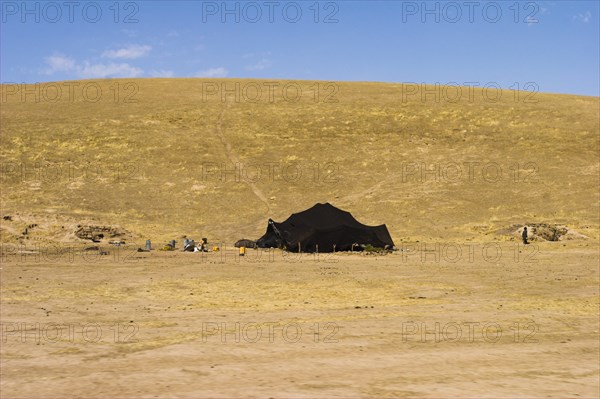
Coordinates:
<point>419,323</point>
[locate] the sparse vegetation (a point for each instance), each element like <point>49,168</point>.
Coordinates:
<point>431,319</point>
<point>165,165</point>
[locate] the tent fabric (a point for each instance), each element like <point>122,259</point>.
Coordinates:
<point>324,226</point>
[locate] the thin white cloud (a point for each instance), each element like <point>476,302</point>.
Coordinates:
<point>130,52</point>
<point>173,33</point>
<point>531,21</point>
<point>585,17</point>
<point>130,32</point>
<point>124,70</point>
<point>161,74</point>
<point>59,63</point>
<point>86,70</point>
<point>259,66</point>
<point>219,72</point>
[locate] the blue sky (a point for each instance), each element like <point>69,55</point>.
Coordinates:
<point>553,44</point>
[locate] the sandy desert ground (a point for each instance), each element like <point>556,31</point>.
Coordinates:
<point>428,322</point>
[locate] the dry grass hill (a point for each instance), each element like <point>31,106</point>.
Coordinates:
<point>484,325</point>
<point>163,158</point>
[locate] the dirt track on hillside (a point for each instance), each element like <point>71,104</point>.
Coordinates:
<point>217,325</point>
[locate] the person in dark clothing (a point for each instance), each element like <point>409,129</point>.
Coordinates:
<point>524,235</point>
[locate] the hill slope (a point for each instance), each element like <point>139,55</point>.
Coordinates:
<point>166,157</point>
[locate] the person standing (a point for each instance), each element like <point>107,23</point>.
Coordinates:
<point>524,235</point>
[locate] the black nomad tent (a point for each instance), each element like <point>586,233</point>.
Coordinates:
<point>323,228</point>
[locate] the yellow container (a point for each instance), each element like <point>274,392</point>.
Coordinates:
<point>242,251</point>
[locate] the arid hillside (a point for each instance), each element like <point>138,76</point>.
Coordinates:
<point>163,158</point>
